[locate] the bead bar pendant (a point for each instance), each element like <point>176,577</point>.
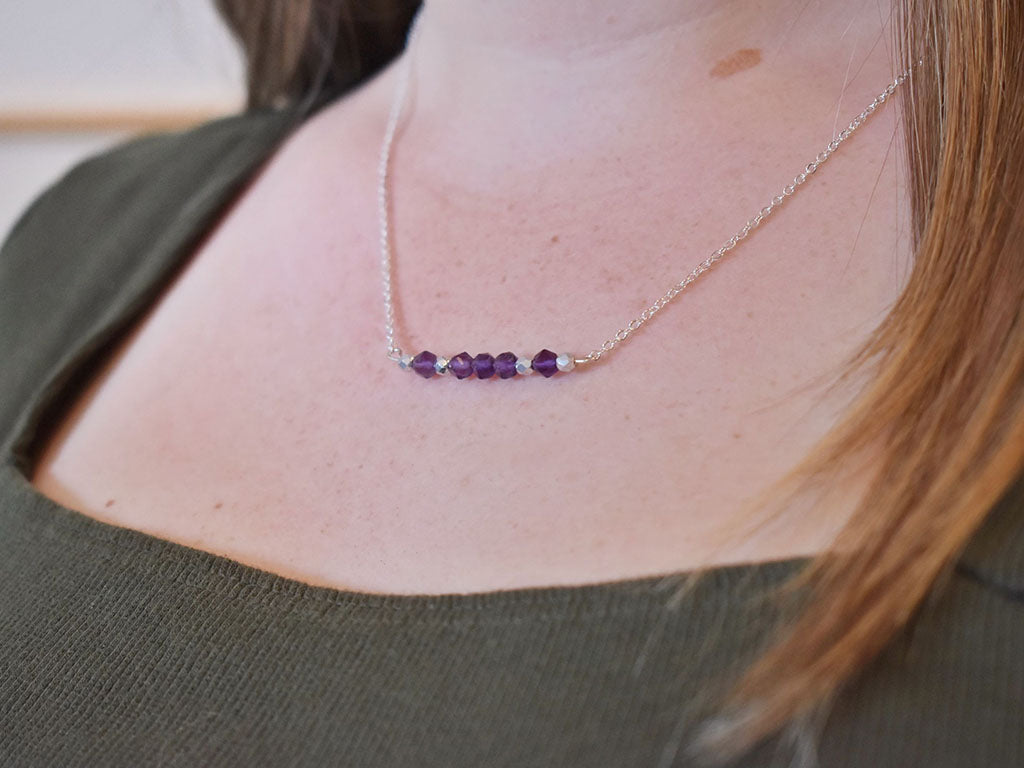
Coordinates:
<point>507,365</point>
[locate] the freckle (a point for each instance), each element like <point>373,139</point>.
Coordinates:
<point>554,238</point>
<point>110,502</point>
<point>745,58</point>
<point>750,314</point>
<point>627,416</point>
<point>218,505</point>
<point>503,279</point>
<point>737,435</point>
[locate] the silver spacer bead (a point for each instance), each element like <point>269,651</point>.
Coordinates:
<point>524,366</point>
<point>405,362</point>
<point>566,361</point>
<point>441,366</point>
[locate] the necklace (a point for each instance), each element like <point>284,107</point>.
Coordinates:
<point>507,365</point>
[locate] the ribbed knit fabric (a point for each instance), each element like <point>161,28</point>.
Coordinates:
<point>120,649</point>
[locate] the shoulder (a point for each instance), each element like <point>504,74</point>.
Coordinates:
<point>106,206</point>
<point>113,220</point>
<point>946,692</point>
<point>136,176</point>
<point>994,557</point>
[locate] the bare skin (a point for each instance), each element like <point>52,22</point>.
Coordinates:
<point>552,181</point>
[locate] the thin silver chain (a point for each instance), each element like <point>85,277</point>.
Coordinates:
<point>395,353</point>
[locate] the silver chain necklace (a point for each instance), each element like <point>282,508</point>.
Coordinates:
<point>509,365</point>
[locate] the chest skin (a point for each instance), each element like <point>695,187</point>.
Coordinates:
<point>254,414</point>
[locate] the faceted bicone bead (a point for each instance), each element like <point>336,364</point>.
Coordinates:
<point>461,365</point>
<point>545,363</point>
<point>524,366</point>
<point>566,361</point>
<point>423,364</point>
<point>483,365</point>
<point>505,365</point>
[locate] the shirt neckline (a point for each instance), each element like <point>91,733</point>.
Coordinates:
<point>45,516</point>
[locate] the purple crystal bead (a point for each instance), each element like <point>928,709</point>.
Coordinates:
<point>544,363</point>
<point>483,365</point>
<point>461,365</point>
<point>505,365</point>
<point>423,364</point>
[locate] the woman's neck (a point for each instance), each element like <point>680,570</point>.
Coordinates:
<point>562,32</point>
<point>535,72</point>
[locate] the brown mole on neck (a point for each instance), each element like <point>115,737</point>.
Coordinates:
<point>744,58</point>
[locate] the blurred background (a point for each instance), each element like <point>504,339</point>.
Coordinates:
<point>78,76</point>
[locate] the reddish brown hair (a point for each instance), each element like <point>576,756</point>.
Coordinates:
<point>944,403</point>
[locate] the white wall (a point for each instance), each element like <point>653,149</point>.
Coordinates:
<point>79,75</point>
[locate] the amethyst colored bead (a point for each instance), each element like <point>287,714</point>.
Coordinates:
<point>505,365</point>
<point>544,363</point>
<point>483,365</point>
<point>461,365</point>
<point>423,364</point>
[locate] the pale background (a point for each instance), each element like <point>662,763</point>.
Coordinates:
<point>77,76</point>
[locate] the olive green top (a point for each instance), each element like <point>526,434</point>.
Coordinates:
<point>121,649</point>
